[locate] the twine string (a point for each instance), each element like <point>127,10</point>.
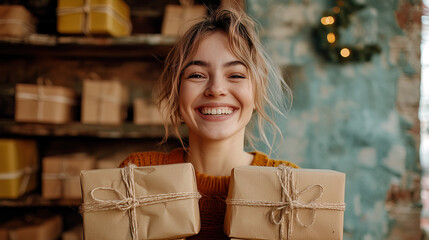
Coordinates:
<point>290,203</point>
<point>129,201</point>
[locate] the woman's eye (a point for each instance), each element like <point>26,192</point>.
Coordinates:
<point>195,76</point>
<point>237,76</point>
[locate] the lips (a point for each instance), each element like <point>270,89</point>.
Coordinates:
<point>216,111</point>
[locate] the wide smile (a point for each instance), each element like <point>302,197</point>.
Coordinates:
<point>216,110</point>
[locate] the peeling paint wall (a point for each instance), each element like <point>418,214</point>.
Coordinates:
<point>358,118</point>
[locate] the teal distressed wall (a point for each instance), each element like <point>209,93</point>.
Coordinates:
<point>358,118</point>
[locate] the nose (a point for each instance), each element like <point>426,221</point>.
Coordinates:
<point>216,87</point>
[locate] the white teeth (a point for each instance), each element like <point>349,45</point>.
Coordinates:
<point>217,111</point>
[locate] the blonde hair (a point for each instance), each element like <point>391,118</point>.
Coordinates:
<point>272,95</point>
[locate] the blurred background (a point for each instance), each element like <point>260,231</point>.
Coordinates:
<point>358,70</point>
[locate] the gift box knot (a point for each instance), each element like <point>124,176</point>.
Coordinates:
<point>130,201</point>
<point>290,203</point>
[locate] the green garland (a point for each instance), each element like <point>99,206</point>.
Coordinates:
<point>329,47</point>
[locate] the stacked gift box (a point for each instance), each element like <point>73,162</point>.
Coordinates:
<point>104,17</point>
<point>16,21</point>
<point>18,167</point>
<point>44,103</point>
<point>60,175</point>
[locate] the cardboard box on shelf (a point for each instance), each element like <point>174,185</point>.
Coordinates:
<point>178,18</point>
<point>285,203</point>
<point>121,201</point>
<point>16,21</point>
<point>18,167</point>
<point>146,113</point>
<point>104,101</point>
<point>43,103</point>
<point>103,17</point>
<point>61,175</point>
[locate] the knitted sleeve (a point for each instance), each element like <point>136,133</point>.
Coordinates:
<point>276,163</point>
<point>153,158</point>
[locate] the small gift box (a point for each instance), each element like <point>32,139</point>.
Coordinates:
<point>178,18</point>
<point>18,167</point>
<point>43,103</point>
<point>16,21</point>
<point>146,113</point>
<point>155,202</point>
<point>32,226</point>
<point>100,17</point>
<point>61,175</point>
<point>104,102</point>
<point>285,203</point>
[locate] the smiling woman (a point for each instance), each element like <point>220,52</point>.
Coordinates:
<point>218,80</point>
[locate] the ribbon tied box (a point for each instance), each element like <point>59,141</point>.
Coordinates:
<point>16,21</point>
<point>285,203</point>
<point>18,167</point>
<point>99,17</point>
<point>154,202</point>
<point>179,18</point>
<point>61,175</point>
<point>43,103</point>
<point>104,101</point>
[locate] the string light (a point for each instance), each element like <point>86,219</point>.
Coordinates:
<point>328,20</point>
<point>331,37</point>
<point>345,52</point>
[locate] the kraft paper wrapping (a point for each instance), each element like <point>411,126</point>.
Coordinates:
<point>94,17</point>
<point>40,103</point>
<point>104,102</point>
<point>61,175</point>
<point>18,167</point>
<point>32,227</point>
<point>179,18</point>
<point>159,220</point>
<point>16,21</point>
<point>262,183</point>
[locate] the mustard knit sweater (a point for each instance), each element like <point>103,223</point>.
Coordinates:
<point>214,190</point>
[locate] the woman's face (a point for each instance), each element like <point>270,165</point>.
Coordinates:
<point>216,95</point>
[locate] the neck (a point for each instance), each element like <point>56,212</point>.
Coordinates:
<point>217,158</point>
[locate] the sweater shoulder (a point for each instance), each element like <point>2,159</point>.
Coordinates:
<point>261,159</point>
<point>154,158</point>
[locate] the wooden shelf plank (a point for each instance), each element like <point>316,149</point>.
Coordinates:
<point>77,129</point>
<point>143,47</point>
<point>35,200</point>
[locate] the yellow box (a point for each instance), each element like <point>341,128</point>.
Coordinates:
<point>178,19</point>
<point>18,167</point>
<point>111,17</point>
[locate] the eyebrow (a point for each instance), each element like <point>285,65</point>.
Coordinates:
<point>205,64</point>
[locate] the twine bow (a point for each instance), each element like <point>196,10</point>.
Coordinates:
<point>290,203</point>
<point>130,201</point>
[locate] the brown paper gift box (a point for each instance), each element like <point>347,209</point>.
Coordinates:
<point>16,21</point>
<point>103,17</point>
<point>178,18</point>
<point>18,167</point>
<point>32,227</point>
<point>42,103</point>
<point>61,175</point>
<point>158,220</point>
<point>104,102</point>
<point>262,185</point>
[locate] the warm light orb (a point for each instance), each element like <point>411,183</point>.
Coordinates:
<point>345,52</point>
<point>330,37</point>
<point>336,9</point>
<point>327,20</point>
